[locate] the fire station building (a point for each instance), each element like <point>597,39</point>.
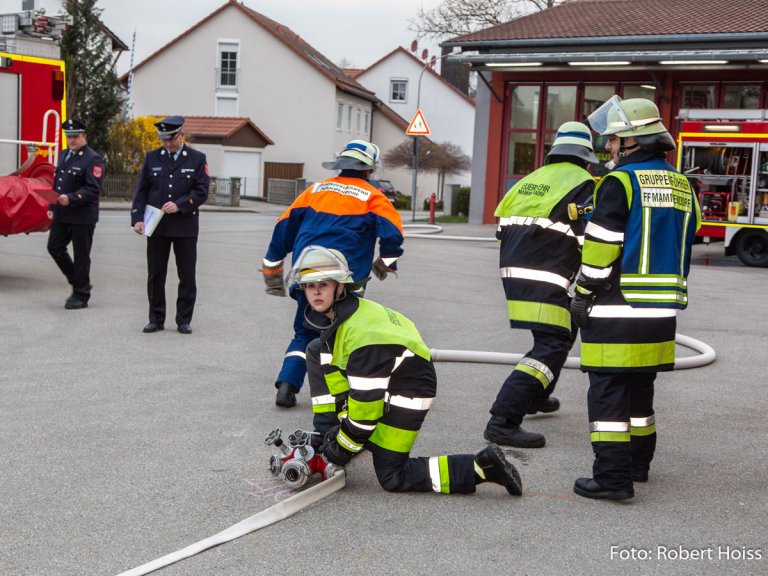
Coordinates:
<point>541,70</point>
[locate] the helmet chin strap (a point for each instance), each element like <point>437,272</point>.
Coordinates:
<point>624,150</point>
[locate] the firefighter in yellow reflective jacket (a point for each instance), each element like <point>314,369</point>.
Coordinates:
<point>633,280</point>
<point>372,384</point>
<point>539,257</point>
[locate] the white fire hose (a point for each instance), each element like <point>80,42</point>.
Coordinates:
<point>706,355</point>
<point>271,515</point>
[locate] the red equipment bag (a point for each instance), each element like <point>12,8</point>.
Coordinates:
<point>21,208</point>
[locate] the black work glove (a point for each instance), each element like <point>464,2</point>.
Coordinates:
<point>329,438</point>
<point>273,278</point>
<point>335,454</point>
<point>581,306</point>
<point>381,270</point>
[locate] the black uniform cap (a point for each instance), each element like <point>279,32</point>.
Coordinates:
<point>73,127</point>
<point>168,127</point>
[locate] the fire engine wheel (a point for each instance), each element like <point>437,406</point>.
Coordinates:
<point>752,248</point>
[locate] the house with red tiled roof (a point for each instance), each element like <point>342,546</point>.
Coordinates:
<point>233,146</point>
<point>405,83</point>
<point>543,69</point>
<point>238,63</point>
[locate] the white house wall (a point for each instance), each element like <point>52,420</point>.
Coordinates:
<point>213,155</point>
<point>285,96</point>
<point>451,118</point>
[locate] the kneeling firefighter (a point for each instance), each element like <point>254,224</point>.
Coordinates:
<point>372,383</point>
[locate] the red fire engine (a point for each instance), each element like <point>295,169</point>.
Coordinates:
<point>724,153</point>
<point>32,104</point>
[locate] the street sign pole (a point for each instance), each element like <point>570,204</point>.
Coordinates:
<point>415,176</point>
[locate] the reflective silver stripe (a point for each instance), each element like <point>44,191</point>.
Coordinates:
<point>642,422</point>
<point>434,474</point>
<point>360,426</point>
<point>324,399</point>
<point>548,224</point>
<point>645,241</point>
<point>622,311</point>
<point>389,261</point>
<point>410,403</point>
<point>270,263</point>
<point>545,223</point>
<point>298,353</point>
<point>540,275</point>
<point>655,280</point>
<point>580,238</point>
<point>609,426</point>
<point>655,296</point>
<point>683,243</point>
<point>597,273</point>
<point>399,360</point>
<point>360,383</point>
<point>325,358</point>
<point>515,221</point>
<point>597,231</point>
<point>540,366</point>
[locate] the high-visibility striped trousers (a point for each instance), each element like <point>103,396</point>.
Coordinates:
<point>534,377</point>
<point>622,425</point>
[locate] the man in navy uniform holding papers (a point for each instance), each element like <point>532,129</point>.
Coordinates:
<point>78,183</point>
<point>173,179</point>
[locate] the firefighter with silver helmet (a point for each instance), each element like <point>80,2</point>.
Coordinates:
<point>372,383</point>
<point>539,258</point>
<point>346,213</point>
<point>633,280</point>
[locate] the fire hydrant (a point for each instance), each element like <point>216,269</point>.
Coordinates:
<point>432,205</point>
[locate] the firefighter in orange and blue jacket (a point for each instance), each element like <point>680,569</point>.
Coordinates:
<point>373,382</point>
<point>539,258</point>
<point>345,213</point>
<point>633,280</point>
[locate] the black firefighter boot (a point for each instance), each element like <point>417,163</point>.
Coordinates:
<point>590,488</point>
<point>286,395</point>
<point>500,431</point>
<point>494,467</point>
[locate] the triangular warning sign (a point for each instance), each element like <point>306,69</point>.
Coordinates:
<point>418,126</point>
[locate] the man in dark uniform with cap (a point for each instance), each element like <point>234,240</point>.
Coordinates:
<point>173,179</point>
<point>78,181</point>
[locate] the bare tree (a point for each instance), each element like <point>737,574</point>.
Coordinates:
<point>444,158</point>
<point>458,17</point>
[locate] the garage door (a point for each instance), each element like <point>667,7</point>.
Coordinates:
<point>9,122</point>
<point>245,164</point>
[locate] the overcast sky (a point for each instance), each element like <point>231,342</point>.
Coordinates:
<point>362,31</point>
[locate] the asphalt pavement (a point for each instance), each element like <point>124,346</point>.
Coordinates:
<point>118,447</point>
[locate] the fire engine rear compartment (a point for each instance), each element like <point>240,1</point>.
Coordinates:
<point>727,164</point>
